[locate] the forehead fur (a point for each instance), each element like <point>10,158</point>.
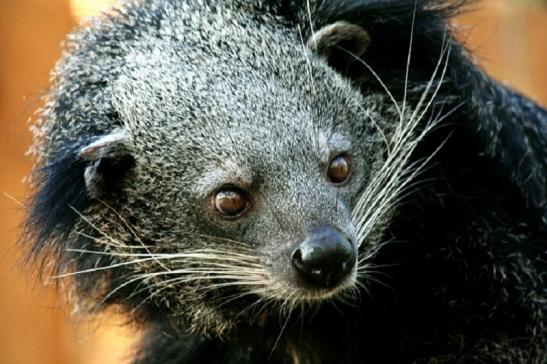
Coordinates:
<point>227,88</point>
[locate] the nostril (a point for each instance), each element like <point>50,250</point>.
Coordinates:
<point>297,258</point>
<point>305,263</point>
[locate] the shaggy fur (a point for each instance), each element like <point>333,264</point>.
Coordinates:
<point>157,106</point>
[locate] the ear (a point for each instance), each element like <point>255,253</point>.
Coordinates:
<point>340,43</point>
<point>108,161</point>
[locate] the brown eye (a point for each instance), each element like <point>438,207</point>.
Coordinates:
<point>231,202</point>
<point>339,168</point>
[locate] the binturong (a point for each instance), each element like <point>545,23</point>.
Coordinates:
<point>294,182</point>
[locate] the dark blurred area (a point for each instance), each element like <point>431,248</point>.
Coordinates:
<point>507,37</point>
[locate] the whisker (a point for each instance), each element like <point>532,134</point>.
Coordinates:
<point>131,230</point>
<point>97,269</point>
<point>93,226</point>
<point>279,336</point>
<point>197,254</point>
<point>221,238</point>
<point>380,196</point>
<point>308,62</point>
<point>376,125</point>
<point>102,242</point>
<point>407,71</point>
<point>376,76</point>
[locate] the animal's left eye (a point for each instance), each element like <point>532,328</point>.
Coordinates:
<point>339,168</point>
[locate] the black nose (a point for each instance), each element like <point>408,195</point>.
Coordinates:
<point>324,258</point>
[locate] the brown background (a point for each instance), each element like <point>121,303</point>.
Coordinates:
<point>508,36</point>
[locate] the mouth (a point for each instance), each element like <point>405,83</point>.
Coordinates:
<point>321,266</point>
<point>319,285</point>
<point>322,287</point>
<point>290,293</point>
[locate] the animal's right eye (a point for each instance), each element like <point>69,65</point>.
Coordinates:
<point>231,202</point>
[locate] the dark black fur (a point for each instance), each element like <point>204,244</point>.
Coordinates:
<point>470,285</point>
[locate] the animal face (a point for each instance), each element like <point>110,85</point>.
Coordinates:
<point>237,164</point>
<point>252,166</point>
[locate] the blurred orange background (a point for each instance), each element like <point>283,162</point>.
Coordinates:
<point>508,37</point>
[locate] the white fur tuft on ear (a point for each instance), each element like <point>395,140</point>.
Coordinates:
<point>108,159</point>
<point>340,43</point>
<point>105,146</point>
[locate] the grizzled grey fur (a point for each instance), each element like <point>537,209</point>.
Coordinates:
<point>157,107</point>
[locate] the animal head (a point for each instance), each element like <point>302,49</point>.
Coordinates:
<point>197,157</point>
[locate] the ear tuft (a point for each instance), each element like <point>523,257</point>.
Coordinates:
<point>340,43</point>
<point>107,145</point>
<point>108,160</point>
